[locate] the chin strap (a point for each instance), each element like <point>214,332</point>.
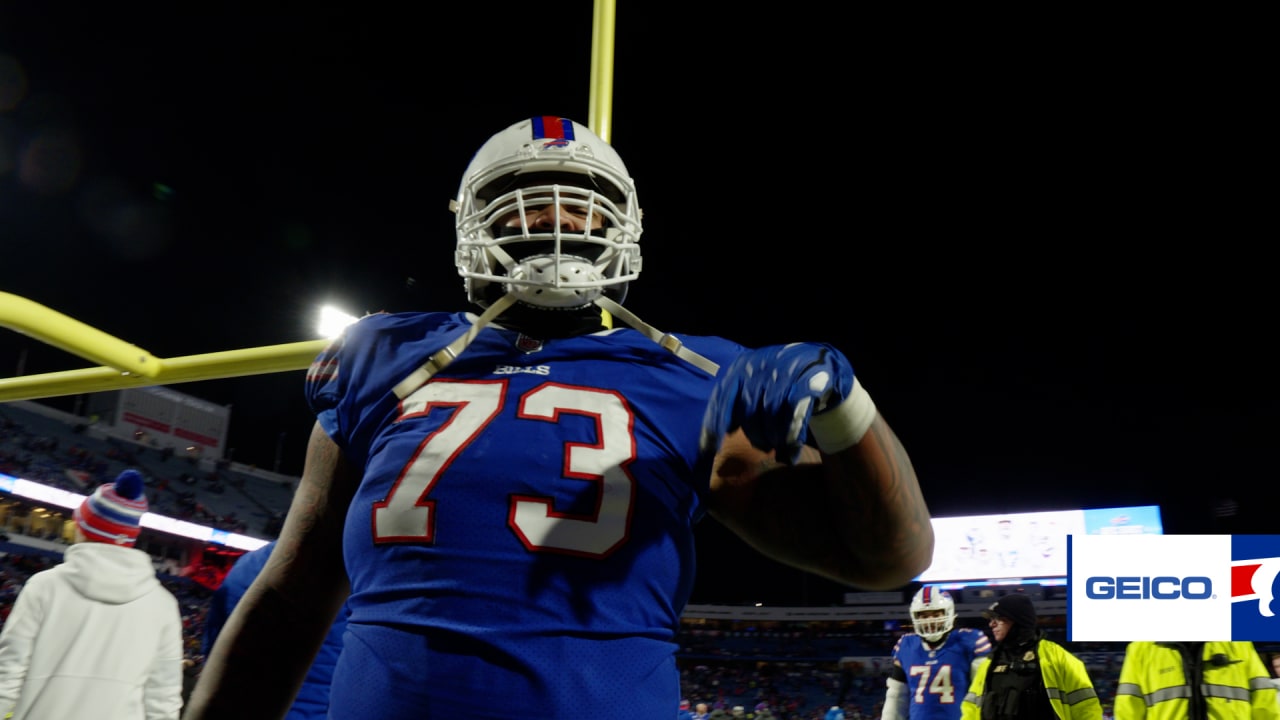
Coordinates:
<point>442,358</point>
<point>668,341</point>
<point>438,361</point>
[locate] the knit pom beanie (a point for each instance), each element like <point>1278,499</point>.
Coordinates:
<point>113,512</point>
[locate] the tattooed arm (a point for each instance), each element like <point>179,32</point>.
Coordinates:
<point>857,516</point>
<point>263,653</point>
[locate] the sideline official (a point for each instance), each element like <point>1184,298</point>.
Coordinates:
<point>1194,681</point>
<point>1028,677</point>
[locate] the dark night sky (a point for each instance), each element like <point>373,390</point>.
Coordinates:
<point>1037,238</point>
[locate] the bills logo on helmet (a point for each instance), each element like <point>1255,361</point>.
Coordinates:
<point>552,128</point>
<point>1255,565</point>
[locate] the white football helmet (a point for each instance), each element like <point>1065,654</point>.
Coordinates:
<point>535,164</point>
<point>929,599</point>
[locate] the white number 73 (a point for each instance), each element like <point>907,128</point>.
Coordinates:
<point>408,514</point>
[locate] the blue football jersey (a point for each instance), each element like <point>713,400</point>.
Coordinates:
<point>938,678</point>
<point>522,537</point>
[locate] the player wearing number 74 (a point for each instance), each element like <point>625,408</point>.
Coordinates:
<point>932,666</point>
<point>509,499</point>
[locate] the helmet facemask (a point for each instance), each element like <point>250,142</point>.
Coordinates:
<point>552,245</point>
<point>551,220</point>
<point>516,251</point>
<point>942,614</point>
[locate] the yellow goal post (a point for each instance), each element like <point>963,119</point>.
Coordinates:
<point>123,365</point>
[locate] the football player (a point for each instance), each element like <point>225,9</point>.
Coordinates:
<point>509,498</point>
<point>932,666</point>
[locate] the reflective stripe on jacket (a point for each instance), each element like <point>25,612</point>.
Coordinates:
<point>1154,684</point>
<point>1065,678</point>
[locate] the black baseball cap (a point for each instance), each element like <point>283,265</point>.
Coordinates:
<point>1015,607</point>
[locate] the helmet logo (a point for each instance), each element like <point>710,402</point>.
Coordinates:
<point>560,143</point>
<point>551,127</point>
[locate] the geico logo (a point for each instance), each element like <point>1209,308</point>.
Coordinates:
<point>1148,588</point>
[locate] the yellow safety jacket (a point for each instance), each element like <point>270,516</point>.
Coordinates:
<point>1065,678</point>
<point>1233,684</point>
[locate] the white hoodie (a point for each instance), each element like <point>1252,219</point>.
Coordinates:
<point>97,637</point>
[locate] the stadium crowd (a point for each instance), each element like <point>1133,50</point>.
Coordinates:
<point>775,672</point>
<point>758,670</point>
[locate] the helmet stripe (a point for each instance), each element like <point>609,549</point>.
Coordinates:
<point>552,127</point>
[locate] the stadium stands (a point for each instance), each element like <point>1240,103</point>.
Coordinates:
<point>799,661</point>
<point>59,449</point>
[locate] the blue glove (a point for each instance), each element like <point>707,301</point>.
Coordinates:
<point>772,392</point>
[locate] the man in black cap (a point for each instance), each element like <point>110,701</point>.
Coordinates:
<point>1028,677</point>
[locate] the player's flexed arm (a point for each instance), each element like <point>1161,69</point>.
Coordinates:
<point>858,517</point>
<point>262,655</point>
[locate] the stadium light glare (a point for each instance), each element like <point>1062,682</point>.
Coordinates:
<point>332,321</point>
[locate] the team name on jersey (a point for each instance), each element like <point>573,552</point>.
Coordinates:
<point>517,370</point>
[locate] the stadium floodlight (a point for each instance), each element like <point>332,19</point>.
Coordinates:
<point>333,320</point>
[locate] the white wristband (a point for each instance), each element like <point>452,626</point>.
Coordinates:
<point>843,426</point>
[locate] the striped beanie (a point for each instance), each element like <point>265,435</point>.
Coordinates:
<point>112,513</point>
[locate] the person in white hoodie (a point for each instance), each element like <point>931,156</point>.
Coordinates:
<point>97,635</point>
